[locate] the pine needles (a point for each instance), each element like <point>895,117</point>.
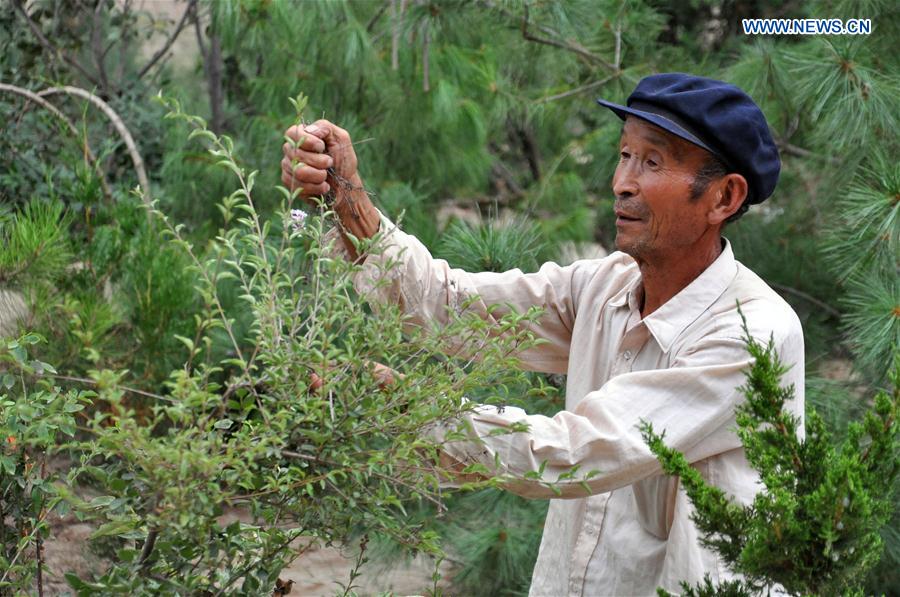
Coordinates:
<point>34,242</point>
<point>815,528</point>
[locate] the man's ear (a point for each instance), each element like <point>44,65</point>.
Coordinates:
<point>731,191</point>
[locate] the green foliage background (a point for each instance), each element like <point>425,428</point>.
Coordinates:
<point>485,106</point>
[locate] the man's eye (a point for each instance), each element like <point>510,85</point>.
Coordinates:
<point>652,163</point>
<point>624,155</point>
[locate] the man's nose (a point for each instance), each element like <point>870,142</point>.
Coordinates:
<point>625,181</point>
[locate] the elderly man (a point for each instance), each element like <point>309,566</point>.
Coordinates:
<point>650,333</point>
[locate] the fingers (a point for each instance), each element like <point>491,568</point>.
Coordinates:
<point>317,156</point>
<point>307,137</point>
<point>384,376</point>
<point>308,158</point>
<point>337,140</point>
<point>305,163</point>
<point>310,181</point>
<point>303,173</point>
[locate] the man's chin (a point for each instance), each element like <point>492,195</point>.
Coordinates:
<point>628,246</point>
<point>623,244</point>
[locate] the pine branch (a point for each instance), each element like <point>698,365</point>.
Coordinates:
<point>814,529</point>
<point>567,45</point>
<point>577,90</point>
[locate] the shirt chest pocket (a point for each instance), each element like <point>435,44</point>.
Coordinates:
<point>655,500</point>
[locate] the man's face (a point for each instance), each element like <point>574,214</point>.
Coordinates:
<point>655,216</point>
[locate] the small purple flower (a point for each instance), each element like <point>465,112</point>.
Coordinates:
<point>298,219</point>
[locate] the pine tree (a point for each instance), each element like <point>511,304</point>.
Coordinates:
<point>815,528</point>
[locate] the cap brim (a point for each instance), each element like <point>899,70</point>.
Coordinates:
<point>660,121</point>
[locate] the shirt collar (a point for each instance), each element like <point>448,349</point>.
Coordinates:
<point>671,319</point>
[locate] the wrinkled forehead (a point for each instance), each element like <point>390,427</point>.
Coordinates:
<point>638,128</point>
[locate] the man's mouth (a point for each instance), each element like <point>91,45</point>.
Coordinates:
<point>623,218</point>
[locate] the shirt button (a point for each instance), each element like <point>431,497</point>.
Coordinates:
<point>627,355</point>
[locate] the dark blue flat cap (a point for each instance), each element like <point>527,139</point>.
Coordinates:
<point>716,116</point>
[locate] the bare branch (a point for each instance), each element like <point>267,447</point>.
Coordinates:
<point>88,154</point>
<point>617,60</point>
<point>378,14</point>
<point>120,127</point>
<point>162,51</point>
<point>808,297</point>
<point>57,53</point>
<point>804,153</point>
<point>97,47</point>
<point>577,90</point>
<point>200,45</point>
<point>149,544</point>
<point>426,38</point>
<point>92,382</point>
<point>504,176</point>
<point>212,67</point>
<point>396,20</point>
<point>568,45</point>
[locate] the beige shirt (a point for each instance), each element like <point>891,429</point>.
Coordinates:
<point>679,368</point>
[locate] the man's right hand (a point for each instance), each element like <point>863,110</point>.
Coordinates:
<point>320,146</point>
<point>320,158</point>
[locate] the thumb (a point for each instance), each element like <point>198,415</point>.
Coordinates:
<point>325,130</point>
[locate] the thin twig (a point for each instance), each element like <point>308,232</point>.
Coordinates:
<point>120,127</point>
<point>354,571</point>
<point>161,52</point>
<point>569,46</point>
<point>89,155</point>
<point>396,19</point>
<point>92,382</point>
<point>24,542</point>
<point>805,153</point>
<point>308,458</point>
<point>426,68</point>
<point>147,550</point>
<point>19,6</point>
<point>617,60</point>
<point>39,545</point>
<point>97,46</point>
<point>576,91</point>
<point>825,306</point>
<point>240,573</point>
<point>377,15</point>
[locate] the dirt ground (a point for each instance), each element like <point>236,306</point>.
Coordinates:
<point>315,573</point>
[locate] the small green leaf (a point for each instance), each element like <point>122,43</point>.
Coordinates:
<point>31,339</point>
<point>8,464</point>
<point>17,351</point>
<point>116,527</point>
<point>100,501</point>
<point>223,424</point>
<point>186,341</point>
